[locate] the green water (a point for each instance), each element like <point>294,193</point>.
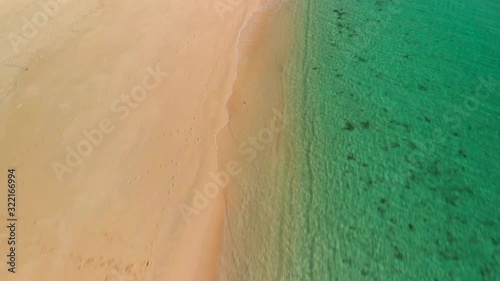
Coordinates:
<point>398,118</point>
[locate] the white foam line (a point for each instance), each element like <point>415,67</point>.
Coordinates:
<point>242,28</point>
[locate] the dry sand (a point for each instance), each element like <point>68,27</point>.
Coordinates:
<point>112,214</point>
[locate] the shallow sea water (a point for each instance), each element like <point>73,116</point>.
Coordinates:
<point>389,166</point>
<point>398,109</point>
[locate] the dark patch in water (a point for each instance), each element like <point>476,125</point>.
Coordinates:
<point>422,87</point>
<point>347,261</point>
<point>411,227</point>
<point>406,126</point>
<point>362,59</point>
<point>395,145</point>
<point>364,272</point>
<point>451,237</point>
<point>434,169</point>
<point>340,13</point>
<point>412,145</point>
<point>349,126</point>
<point>487,272</point>
<point>407,184</point>
<point>451,199</point>
<point>462,153</point>
<point>495,241</point>
<point>449,254</point>
<point>398,253</point>
<point>489,223</point>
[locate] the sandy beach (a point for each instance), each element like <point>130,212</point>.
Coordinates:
<point>109,115</point>
<point>249,140</point>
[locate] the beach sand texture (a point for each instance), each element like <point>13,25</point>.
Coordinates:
<point>137,90</point>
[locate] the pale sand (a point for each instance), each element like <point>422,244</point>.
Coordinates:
<point>115,216</point>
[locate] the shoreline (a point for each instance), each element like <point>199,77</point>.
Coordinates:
<point>255,138</point>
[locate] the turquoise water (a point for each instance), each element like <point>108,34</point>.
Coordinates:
<point>399,120</point>
<point>388,166</point>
